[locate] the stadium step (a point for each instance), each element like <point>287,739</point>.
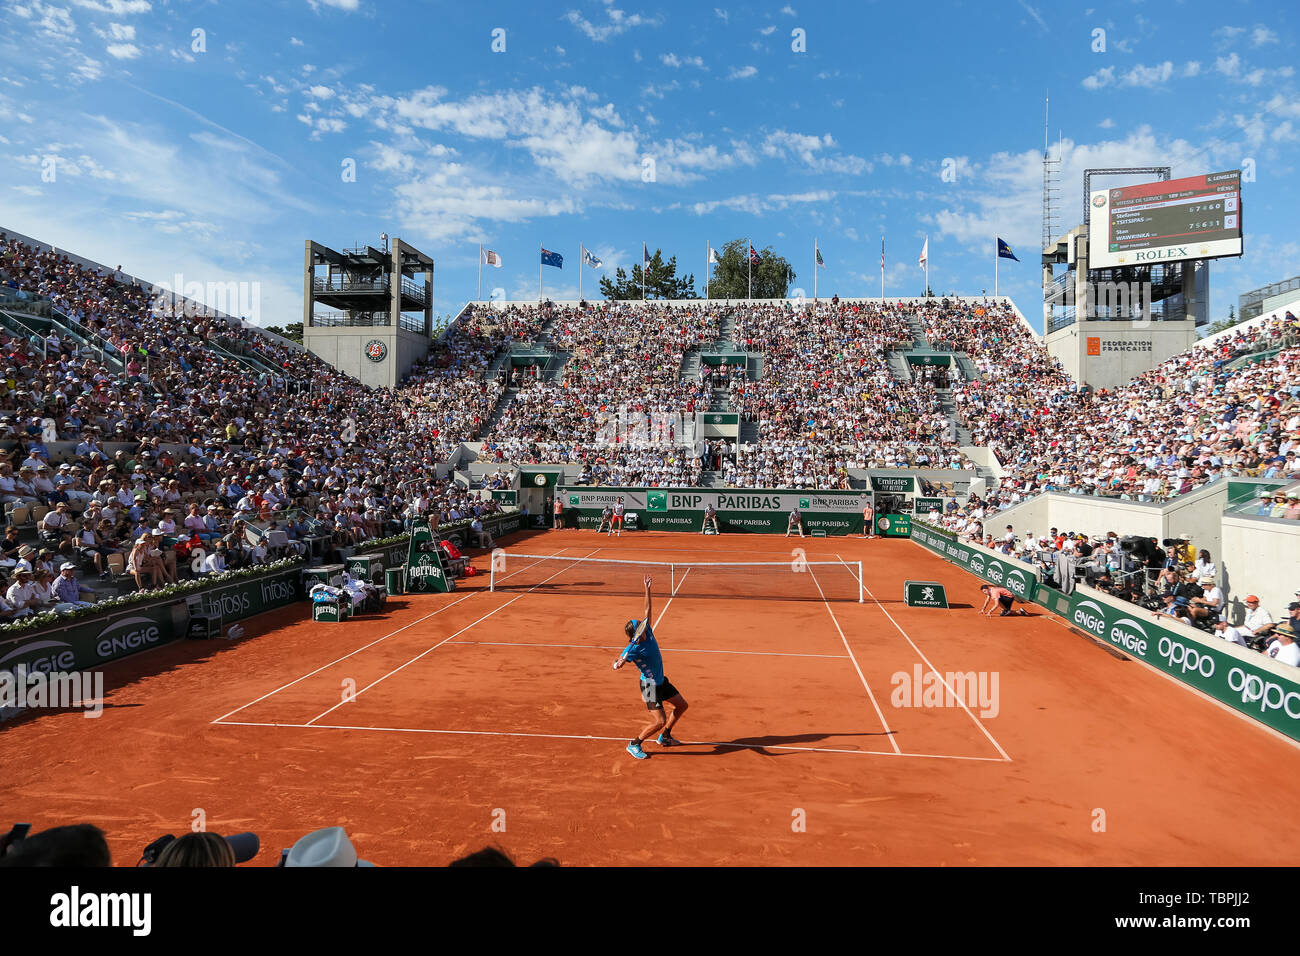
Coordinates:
<point>918,332</point>
<point>898,367</point>
<point>748,433</point>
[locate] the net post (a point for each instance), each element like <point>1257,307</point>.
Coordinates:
<point>672,579</point>
<point>860,600</point>
<point>492,575</point>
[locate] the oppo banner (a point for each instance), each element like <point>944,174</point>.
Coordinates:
<point>1204,662</point>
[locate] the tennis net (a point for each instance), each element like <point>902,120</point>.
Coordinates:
<point>798,579</point>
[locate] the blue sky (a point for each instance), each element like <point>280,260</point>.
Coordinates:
<point>209,140</point>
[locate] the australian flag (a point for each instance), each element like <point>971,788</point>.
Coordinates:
<point>552,259</point>
<point>1004,251</point>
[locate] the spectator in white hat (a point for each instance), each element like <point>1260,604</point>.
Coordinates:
<point>327,847</point>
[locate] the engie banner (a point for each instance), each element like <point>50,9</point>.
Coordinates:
<point>682,509</point>
<point>1016,576</point>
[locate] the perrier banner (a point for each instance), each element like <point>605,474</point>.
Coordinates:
<point>426,567</point>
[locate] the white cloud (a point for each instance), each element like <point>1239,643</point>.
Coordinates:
<point>742,73</point>
<point>320,92</point>
<point>814,152</point>
<point>619,23</point>
<point>119,31</point>
<point>294,41</point>
<point>1035,14</point>
<point>767,31</point>
<point>116,7</point>
<point>721,14</point>
<point>1229,34</point>
<point>1262,35</point>
<point>1192,68</point>
<point>348,6</point>
<point>1107,123</point>
<point>1228,65</point>
<point>122,51</point>
<point>673,60</point>
<point>788,10</point>
<point>1101,79</point>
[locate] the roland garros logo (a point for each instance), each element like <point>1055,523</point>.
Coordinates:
<point>376,350</point>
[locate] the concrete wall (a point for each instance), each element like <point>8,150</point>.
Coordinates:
<point>343,347</point>
<point>1199,514</point>
<point>1260,556</point>
<point>1125,349</point>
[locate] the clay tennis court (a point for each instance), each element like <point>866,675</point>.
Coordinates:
<point>483,707</point>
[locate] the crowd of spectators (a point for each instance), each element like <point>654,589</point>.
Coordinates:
<point>1189,421</point>
<point>181,447</point>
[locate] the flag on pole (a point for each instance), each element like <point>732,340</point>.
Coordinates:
<point>552,259</point>
<point>588,259</point>
<point>1004,251</point>
<point>925,253</point>
<point>820,261</point>
<point>882,253</point>
<point>490,258</point>
<point>645,257</point>
<point>753,256</point>
<point>713,257</point>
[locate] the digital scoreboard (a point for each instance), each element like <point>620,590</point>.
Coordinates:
<point>1194,218</point>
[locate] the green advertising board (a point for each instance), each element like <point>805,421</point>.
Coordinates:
<point>924,594</point>
<point>1016,576</point>
<point>683,509</point>
<point>92,641</point>
<point>894,526</point>
<point>1203,662</point>
<point>928,358</point>
<point>426,564</point>
<point>923,506</point>
<point>896,483</point>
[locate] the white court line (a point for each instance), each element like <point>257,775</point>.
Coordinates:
<point>935,670</point>
<point>664,609</point>
<point>623,739</point>
<point>884,723</point>
<point>442,642</point>
<point>379,640</point>
<point>676,650</point>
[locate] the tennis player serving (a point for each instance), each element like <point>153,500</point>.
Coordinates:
<point>656,690</point>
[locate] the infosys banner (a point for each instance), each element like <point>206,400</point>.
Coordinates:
<point>242,599</point>
<point>1210,665</point>
<point>1018,578</point>
<point>683,509</point>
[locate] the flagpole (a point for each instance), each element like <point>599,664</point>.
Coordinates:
<point>995,266</point>
<point>579,271</point>
<point>749,260</point>
<point>480,273</point>
<point>927,266</point>
<point>706,270</point>
<point>814,270</point>
<point>882,268</point>
<point>643,253</point>
<point>539,272</point>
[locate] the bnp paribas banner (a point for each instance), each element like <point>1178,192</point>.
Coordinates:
<point>682,509</point>
<point>1017,577</point>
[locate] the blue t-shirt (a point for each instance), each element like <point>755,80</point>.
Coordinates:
<point>645,655</point>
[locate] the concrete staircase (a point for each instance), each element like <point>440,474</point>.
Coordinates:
<point>919,340</point>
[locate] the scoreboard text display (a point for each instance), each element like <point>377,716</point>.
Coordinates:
<point>1194,218</point>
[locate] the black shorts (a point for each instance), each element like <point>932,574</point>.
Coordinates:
<point>1006,603</point>
<point>654,695</point>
